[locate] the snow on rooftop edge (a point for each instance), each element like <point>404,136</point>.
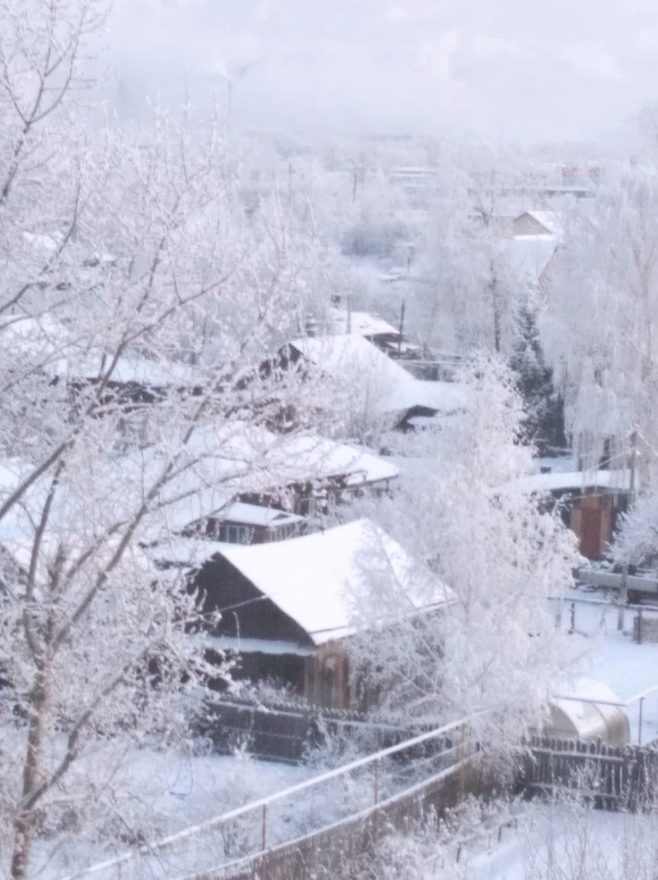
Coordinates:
<point>565,480</point>
<point>320,580</point>
<point>346,357</point>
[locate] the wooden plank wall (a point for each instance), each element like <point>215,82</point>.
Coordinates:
<point>607,777</point>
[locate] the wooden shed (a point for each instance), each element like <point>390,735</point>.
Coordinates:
<point>290,608</point>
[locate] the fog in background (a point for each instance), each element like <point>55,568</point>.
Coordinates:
<point>506,68</point>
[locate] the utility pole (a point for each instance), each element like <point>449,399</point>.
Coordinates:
<point>623,592</point>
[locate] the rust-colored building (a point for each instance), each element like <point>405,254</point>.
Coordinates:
<point>590,502</point>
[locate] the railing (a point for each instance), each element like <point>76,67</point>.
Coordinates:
<point>566,612</point>
<point>279,835</point>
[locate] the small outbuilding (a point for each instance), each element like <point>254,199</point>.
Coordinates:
<point>593,712</point>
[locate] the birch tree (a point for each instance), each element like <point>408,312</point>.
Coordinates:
<point>599,322</point>
<point>496,648</point>
<point>136,301</point>
<point>470,290</point>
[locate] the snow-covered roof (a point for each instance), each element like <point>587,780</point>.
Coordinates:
<point>565,481</point>
<point>69,525</point>
<point>550,220</point>
<point>351,361</point>
<point>130,368</point>
<point>319,457</point>
<point>219,463</point>
<point>360,323</point>
<point>319,580</point>
<point>255,515</point>
<point>255,646</point>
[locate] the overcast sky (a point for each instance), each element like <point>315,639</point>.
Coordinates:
<point>519,68</point>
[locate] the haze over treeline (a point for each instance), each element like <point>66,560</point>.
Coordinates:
<point>559,71</point>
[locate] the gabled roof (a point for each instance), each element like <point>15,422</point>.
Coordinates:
<point>319,457</point>
<point>360,324</point>
<point>331,583</point>
<point>352,362</point>
<point>550,221</point>
<point>220,463</point>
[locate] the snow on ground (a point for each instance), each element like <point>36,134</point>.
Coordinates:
<point>170,791</point>
<point>558,841</point>
<point>564,840</point>
<point>608,655</point>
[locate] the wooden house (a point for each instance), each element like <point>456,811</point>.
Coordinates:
<point>321,473</point>
<point>361,377</point>
<point>241,523</point>
<point>371,327</point>
<point>132,383</point>
<point>289,609</point>
<point>589,501</point>
<point>241,483</point>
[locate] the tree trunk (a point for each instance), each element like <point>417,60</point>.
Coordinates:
<point>32,770</point>
<point>495,309</point>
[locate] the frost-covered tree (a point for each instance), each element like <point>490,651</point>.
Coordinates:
<point>600,321</point>
<point>136,301</point>
<point>469,289</point>
<point>544,418</point>
<point>496,648</point>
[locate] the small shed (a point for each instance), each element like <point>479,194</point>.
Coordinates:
<point>589,714</point>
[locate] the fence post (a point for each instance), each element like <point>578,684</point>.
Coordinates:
<point>572,619</point>
<point>639,722</point>
<point>376,783</point>
<point>639,626</point>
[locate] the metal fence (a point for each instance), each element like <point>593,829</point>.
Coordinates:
<point>312,827</point>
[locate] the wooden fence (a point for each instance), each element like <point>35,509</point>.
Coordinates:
<point>608,777</point>
<point>282,732</point>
